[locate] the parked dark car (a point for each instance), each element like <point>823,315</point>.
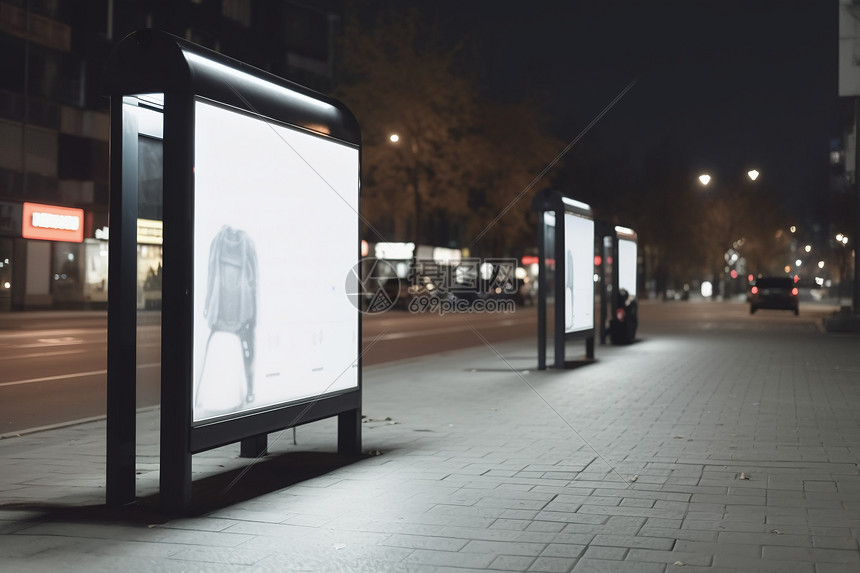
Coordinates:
<point>773,292</point>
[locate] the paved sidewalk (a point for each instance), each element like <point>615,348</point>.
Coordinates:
<point>705,448</point>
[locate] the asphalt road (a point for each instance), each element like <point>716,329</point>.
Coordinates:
<point>53,365</point>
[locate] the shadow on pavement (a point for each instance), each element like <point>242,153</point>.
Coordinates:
<point>210,493</point>
<point>571,364</point>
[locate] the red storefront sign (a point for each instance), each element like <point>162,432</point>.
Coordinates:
<point>51,223</point>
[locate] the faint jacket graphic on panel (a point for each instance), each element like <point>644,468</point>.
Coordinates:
<point>227,377</point>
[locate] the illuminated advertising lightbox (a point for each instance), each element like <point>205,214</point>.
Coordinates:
<point>274,242</point>
<point>578,273</point>
<point>51,223</point>
<point>627,265</point>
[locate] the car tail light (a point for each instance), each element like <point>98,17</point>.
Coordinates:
<point>794,291</point>
<point>620,314</point>
<point>754,290</point>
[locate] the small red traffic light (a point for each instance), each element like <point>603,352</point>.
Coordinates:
<point>597,260</point>
<point>754,290</point>
<point>794,291</point>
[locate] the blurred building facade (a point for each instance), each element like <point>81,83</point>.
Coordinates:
<point>54,125</point>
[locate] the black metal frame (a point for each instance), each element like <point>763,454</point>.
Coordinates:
<point>150,61</point>
<point>122,307</point>
<point>609,303</point>
<point>549,200</point>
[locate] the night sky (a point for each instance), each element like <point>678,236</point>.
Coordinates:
<point>734,84</point>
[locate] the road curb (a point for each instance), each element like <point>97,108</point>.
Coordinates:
<point>60,425</point>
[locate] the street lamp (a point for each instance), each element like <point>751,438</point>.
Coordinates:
<point>416,197</point>
<point>842,240</point>
<point>705,180</point>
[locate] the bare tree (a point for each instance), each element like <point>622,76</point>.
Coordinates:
<point>459,158</point>
<point>398,86</point>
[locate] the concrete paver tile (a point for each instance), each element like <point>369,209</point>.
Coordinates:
<point>637,502</point>
<point>127,533</point>
<point>503,547</point>
<point>601,566</point>
<point>631,541</point>
<point>481,533</point>
<point>451,558</point>
<point>511,563</point>
<point>571,517</point>
<point>835,542</point>
<point>552,565</point>
<point>674,533</point>
<point>632,511</point>
<point>715,548</point>
<point>835,568</point>
<point>233,556</point>
<point>596,552</point>
<point>767,538</point>
<point>425,542</point>
<point>545,526</point>
<point>655,556</point>
<point>512,524</point>
<point>544,537</point>
<point>811,554</point>
<point>281,531</point>
<point>777,566</point>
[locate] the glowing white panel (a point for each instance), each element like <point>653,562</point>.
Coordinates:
<point>627,266</point>
<point>275,235</point>
<point>578,273</point>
